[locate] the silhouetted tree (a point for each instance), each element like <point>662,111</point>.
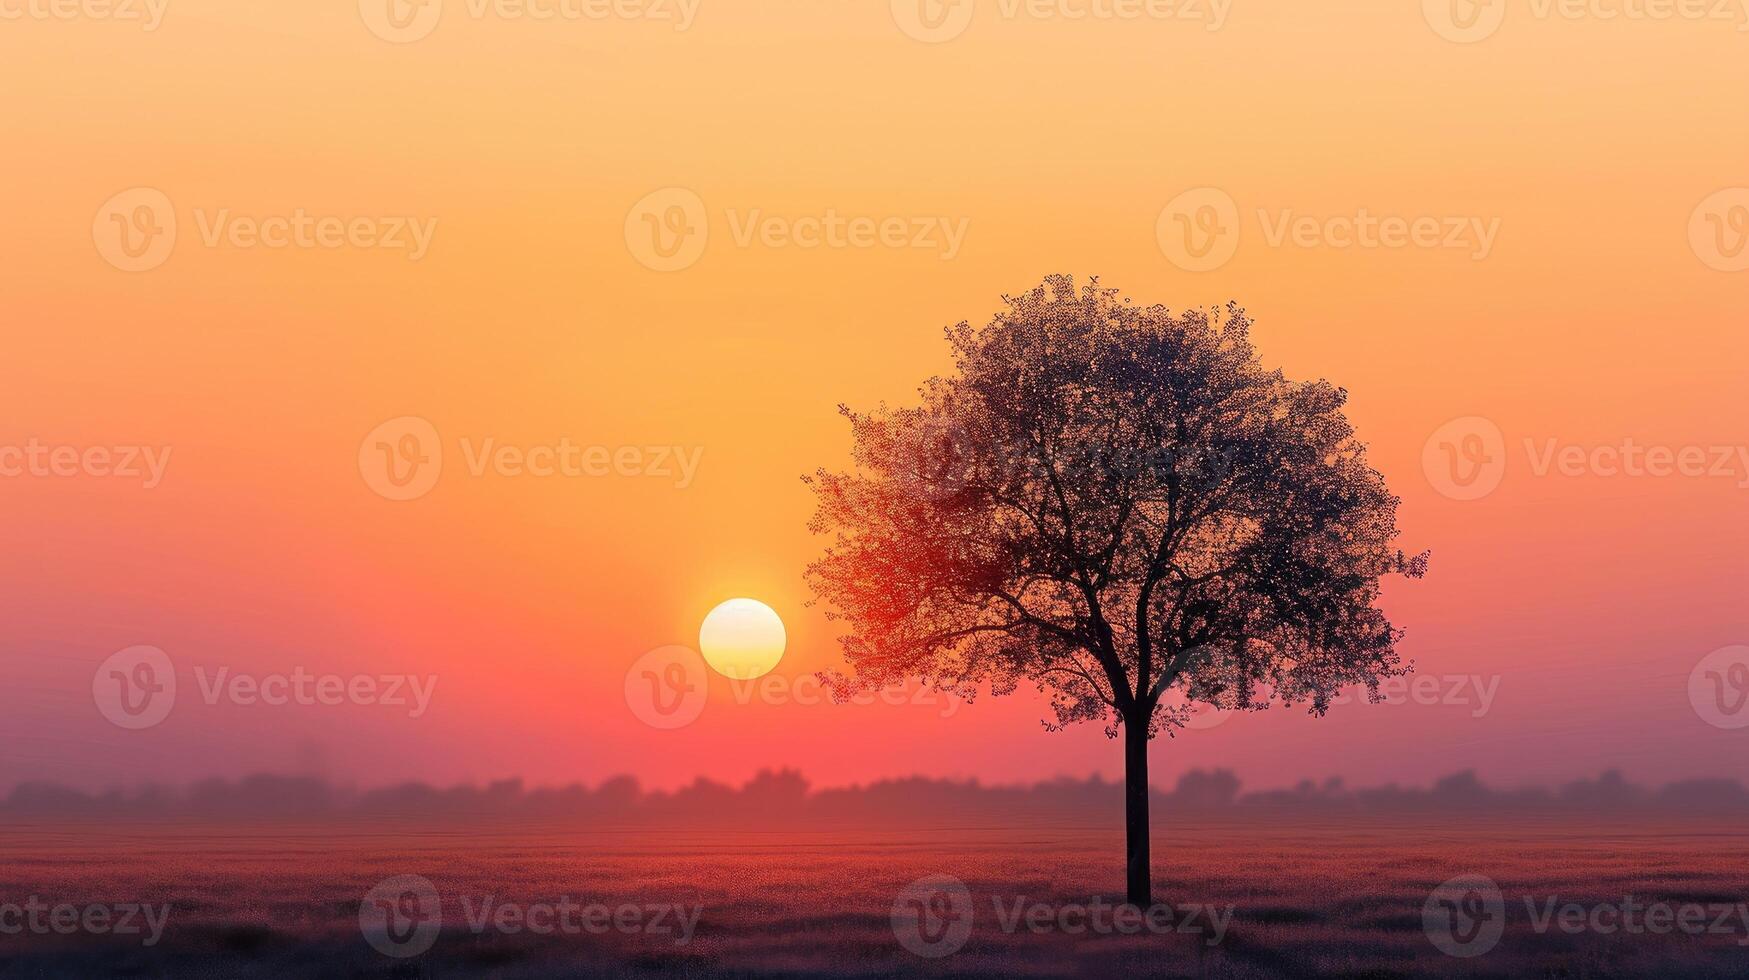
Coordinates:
<point>1112,502</point>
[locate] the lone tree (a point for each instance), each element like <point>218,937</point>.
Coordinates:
<point>1112,503</point>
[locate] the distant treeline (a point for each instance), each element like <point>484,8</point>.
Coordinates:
<point>784,799</point>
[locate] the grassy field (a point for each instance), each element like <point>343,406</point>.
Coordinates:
<point>1253,900</point>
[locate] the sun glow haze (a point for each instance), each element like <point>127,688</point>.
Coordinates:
<point>530,321</point>
<point>742,639</point>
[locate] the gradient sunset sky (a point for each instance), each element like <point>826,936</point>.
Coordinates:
<point>1596,316</point>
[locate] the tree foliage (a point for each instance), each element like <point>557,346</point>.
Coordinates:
<point>1111,501</point>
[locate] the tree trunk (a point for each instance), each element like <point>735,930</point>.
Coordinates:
<point>1135,774</point>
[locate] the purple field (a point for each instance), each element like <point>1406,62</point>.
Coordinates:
<point>1318,901</point>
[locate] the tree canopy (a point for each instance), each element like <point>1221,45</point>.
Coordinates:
<point>1111,501</point>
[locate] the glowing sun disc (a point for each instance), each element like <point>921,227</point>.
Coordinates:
<point>742,639</point>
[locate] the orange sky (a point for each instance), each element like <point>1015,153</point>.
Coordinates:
<point>1586,143</point>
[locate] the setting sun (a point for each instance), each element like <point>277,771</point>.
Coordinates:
<point>742,639</point>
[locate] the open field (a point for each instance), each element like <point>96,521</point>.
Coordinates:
<point>1247,900</point>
